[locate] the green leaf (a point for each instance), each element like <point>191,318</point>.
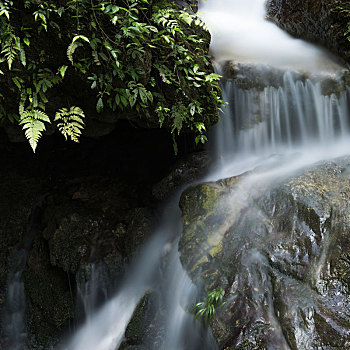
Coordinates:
<point>82,37</point>
<point>71,49</point>
<point>6,13</point>
<point>17,83</point>
<point>60,11</point>
<point>99,105</point>
<point>26,41</point>
<point>70,122</point>
<point>33,124</point>
<point>22,55</point>
<point>62,70</point>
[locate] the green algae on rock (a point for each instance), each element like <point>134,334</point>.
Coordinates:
<point>279,249</point>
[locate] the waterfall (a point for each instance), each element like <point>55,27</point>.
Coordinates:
<point>240,31</point>
<point>13,319</point>
<point>294,119</point>
<point>158,271</point>
<point>285,96</point>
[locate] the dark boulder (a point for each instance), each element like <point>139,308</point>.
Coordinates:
<point>320,21</point>
<point>279,248</point>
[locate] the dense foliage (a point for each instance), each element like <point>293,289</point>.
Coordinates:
<point>144,56</point>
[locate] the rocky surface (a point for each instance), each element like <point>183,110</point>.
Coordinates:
<point>321,22</point>
<point>257,77</point>
<point>183,172</point>
<point>279,248</point>
<point>79,212</point>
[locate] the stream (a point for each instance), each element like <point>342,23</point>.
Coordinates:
<point>284,122</point>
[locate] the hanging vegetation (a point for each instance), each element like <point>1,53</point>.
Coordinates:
<point>144,56</point>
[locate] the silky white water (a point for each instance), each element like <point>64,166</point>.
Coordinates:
<point>280,128</point>
<point>104,329</point>
<point>157,270</point>
<point>239,31</point>
<point>298,115</point>
<point>295,120</point>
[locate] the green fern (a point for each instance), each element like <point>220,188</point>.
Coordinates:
<point>70,122</point>
<point>189,19</point>
<point>33,124</point>
<point>71,49</point>
<point>179,115</point>
<point>74,45</point>
<point>10,47</point>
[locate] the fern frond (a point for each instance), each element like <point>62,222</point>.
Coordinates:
<point>33,124</point>
<point>71,49</point>
<point>70,122</point>
<point>179,115</point>
<point>10,48</point>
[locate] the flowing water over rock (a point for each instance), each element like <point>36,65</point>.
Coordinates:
<point>240,31</point>
<point>294,116</point>
<point>275,238</point>
<point>13,319</point>
<point>151,310</point>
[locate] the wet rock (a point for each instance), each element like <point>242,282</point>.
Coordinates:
<point>51,302</point>
<point>252,76</point>
<point>183,172</point>
<point>18,196</point>
<point>139,229</point>
<point>258,77</point>
<point>321,22</point>
<point>279,249</point>
<point>131,347</point>
<point>139,334</point>
<point>95,224</point>
<point>135,331</point>
<point>89,231</point>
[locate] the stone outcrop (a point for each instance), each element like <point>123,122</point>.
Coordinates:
<point>77,211</point>
<point>319,21</point>
<point>279,249</point>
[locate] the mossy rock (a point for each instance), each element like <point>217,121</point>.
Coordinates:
<point>51,304</point>
<point>280,250</point>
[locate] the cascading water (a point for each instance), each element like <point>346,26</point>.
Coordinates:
<point>293,119</point>
<point>13,319</point>
<point>279,101</point>
<point>157,270</point>
<point>239,31</point>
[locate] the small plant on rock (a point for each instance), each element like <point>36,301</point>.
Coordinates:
<point>207,309</point>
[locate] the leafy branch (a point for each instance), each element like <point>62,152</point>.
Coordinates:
<point>142,55</point>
